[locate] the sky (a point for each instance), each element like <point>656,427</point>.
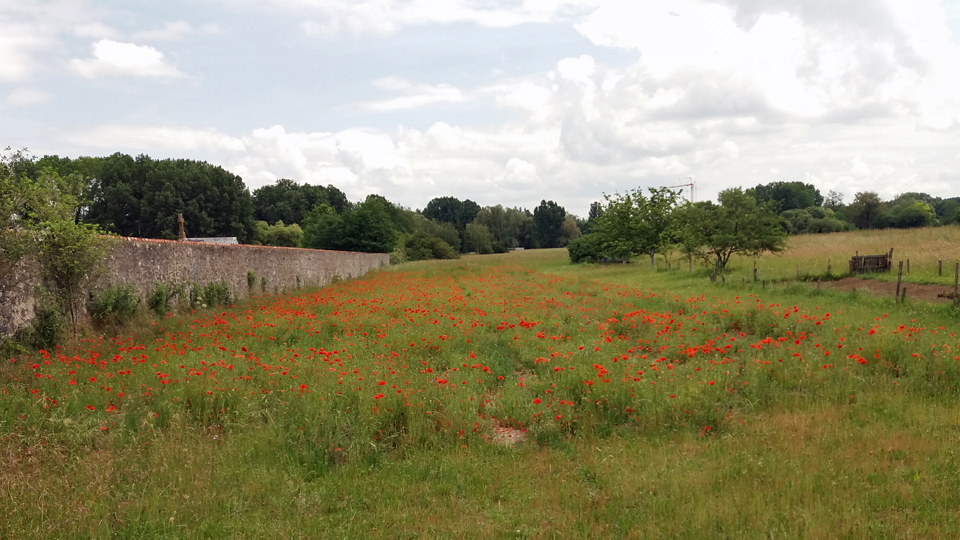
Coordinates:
<point>499,101</point>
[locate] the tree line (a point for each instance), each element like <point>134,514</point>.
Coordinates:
<point>142,197</point>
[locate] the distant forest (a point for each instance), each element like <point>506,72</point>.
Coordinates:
<point>141,197</point>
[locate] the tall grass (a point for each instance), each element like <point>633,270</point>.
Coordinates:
<point>652,404</point>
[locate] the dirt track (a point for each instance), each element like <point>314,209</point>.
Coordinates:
<point>925,293</point>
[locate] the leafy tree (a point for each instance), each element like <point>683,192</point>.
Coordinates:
<point>444,231</point>
<point>569,230</point>
<point>833,200</point>
<point>737,225</point>
<point>323,228</point>
<point>632,223</point>
<point>478,238</point>
<point>507,225</point>
<point>213,201</point>
<point>789,195</point>
<point>548,218</point>
<point>907,212</point>
<point>866,209</point>
<point>422,246</point>
<point>290,202</point>
<point>585,249</point>
<point>117,192</point>
<point>452,210</point>
<point>369,227</point>
<point>278,234</point>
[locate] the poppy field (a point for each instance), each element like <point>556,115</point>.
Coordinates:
<point>492,397</point>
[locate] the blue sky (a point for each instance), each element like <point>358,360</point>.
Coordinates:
<point>504,102</point>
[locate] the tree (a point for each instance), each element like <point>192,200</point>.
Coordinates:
<point>865,210</point>
<point>278,234</point>
<point>569,230</point>
<point>444,231</point>
<point>421,246</point>
<point>833,200</point>
<point>478,238</point>
<point>632,223</point>
<point>323,228</point>
<point>548,218</point>
<point>789,195</point>
<point>735,226</point>
<point>452,210</point>
<point>505,224</point>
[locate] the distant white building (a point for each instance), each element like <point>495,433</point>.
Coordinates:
<point>215,240</point>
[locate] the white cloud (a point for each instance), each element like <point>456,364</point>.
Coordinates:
<point>116,58</point>
<point>176,30</point>
<point>413,95</point>
<point>95,30</point>
<point>25,96</point>
<point>329,18</point>
<point>19,44</point>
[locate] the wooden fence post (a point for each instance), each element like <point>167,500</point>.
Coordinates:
<point>956,282</point>
<point>754,270</point>
<point>899,275</point>
<point>908,267</point>
<point>940,267</point>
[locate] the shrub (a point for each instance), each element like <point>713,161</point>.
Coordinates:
<point>217,293</point>
<point>422,246</point>
<point>115,305</point>
<point>159,299</point>
<point>47,327</point>
<point>584,249</point>
<point>251,279</point>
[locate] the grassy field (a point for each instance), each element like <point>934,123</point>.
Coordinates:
<point>637,404</point>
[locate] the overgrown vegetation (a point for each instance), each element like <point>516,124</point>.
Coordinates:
<point>115,305</point>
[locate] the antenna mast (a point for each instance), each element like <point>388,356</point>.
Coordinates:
<point>691,185</point>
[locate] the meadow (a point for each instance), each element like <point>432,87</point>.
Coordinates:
<point>508,396</point>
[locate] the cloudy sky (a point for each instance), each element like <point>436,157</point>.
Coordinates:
<point>500,101</point>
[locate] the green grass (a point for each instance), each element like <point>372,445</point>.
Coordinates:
<point>800,451</point>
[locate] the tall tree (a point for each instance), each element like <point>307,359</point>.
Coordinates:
<point>452,210</point>
<point>789,195</point>
<point>548,218</point>
<point>213,201</point>
<point>290,202</point>
<point>737,225</point>
<point>865,210</point>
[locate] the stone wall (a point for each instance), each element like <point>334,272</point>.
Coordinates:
<point>142,263</point>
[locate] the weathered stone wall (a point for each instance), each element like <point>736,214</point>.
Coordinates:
<point>142,263</point>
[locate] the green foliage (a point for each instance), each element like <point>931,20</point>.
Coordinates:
<point>477,238</point>
<point>368,227</point>
<point>445,231</point>
<point>217,293</point>
<point>278,234</point>
<point>632,223</point>
<point>907,212</point>
<point>142,197</point>
<point>290,202</point>
<point>452,210</point>
<point>510,227</point>
<point>70,254</point>
<point>585,249</point>
<point>815,219</point>
<point>548,218</point>
<point>251,279</point>
<point>738,225</point>
<point>116,305</point>
<point>569,230</point>
<point>263,284</point>
<point>421,246</point>
<point>47,328</point>
<point>788,195</point>
<point>865,210</point>
<point>159,299</point>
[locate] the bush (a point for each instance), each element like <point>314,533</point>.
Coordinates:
<point>115,305</point>
<point>422,246</point>
<point>585,249</point>
<point>217,293</point>
<point>251,279</point>
<point>47,327</point>
<point>159,299</point>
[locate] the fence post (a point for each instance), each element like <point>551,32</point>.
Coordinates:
<point>798,272</point>
<point>940,267</point>
<point>908,267</point>
<point>899,275</point>
<point>754,270</point>
<point>956,282</point>
<point>829,268</point>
